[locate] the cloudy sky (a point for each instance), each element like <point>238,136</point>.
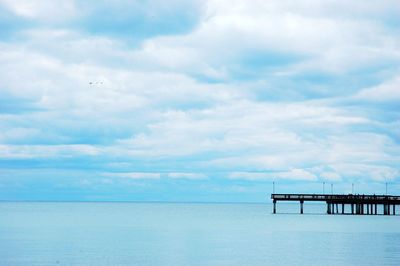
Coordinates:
<point>197,100</point>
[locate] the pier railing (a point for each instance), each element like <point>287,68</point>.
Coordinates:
<point>329,197</point>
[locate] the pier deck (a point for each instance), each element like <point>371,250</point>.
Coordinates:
<point>359,204</point>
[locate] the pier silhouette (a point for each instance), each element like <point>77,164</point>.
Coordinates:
<point>359,204</point>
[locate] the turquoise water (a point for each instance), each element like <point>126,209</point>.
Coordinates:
<point>191,234</point>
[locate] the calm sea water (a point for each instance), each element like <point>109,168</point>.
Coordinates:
<point>191,234</point>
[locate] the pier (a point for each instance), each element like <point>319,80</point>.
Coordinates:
<point>345,204</point>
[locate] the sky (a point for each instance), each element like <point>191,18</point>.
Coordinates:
<point>205,101</point>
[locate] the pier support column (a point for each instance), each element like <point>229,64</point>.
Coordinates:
<point>301,207</point>
<point>394,209</point>
<point>376,208</point>
<point>274,206</point>
<point>352,208</point>
<point>342,208</point>
<point>388,209</point>
<point>384,209</point>
<point>337,208</point>
<point>329,211</point>
<point>367,208</point>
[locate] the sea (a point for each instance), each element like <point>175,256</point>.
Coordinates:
<point>129,233</point>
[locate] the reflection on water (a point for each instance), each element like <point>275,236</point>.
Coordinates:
<point>192,234</point>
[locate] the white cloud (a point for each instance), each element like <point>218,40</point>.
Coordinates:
<point>154,100</point>
<point>45,10</point>
<point>55,83</point>
<point>192,176</point>
<point>388,91</point>
<point>47,151</point>
<point>331,176</point>
<point>359,171</point>
<point>251,176</point>
<point>292,174</point>
<point>298,174</point>
<point>332,37</point>
<point>17,133</point>
<point>134,175</point>
<point>261,131</point>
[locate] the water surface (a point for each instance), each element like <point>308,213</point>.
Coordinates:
<point>191,234</point>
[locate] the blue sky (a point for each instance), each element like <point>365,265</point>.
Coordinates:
<point>197,100</point>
